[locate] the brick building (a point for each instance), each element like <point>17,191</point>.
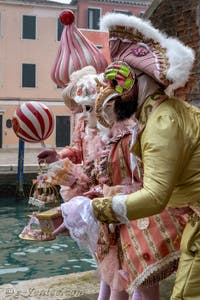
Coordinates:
<point>181,19</point>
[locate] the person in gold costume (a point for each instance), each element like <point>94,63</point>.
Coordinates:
<point>168,140</point>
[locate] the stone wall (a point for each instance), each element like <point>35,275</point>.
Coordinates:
<point>181,19</point>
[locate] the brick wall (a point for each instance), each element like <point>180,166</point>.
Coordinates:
<point>181,19</point>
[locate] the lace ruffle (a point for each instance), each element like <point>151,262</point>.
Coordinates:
<point>119,207</point>
<point>79,220</point>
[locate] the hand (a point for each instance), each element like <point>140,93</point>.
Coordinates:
<point>110,191</point>
<point>61,173</point>
<point>125,189</point>
<point>94,192</point>
<point>61,229</point>
<point>48,156</point>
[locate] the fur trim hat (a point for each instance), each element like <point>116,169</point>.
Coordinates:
<point>144,47</point>
<point>75,52</point>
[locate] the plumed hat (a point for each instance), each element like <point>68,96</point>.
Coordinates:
<point>75,52</point>
<point>138,43</point>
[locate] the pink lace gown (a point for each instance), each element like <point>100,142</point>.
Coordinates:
<point>84,152</point>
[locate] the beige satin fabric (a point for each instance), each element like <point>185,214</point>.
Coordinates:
<point>170,151</point>
<point>187,284</point>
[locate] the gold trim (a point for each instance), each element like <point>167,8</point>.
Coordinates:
<point>104,93</point>
<point>34,239</point>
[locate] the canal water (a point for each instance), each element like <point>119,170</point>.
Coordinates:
<point>24,260</point>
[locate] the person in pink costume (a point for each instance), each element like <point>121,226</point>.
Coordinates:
<point>115,172</point>
<point>75,53</point>
<point>76,57</point>
<point>77,161</point>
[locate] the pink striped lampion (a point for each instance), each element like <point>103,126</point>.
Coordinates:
<point>75,52</point>
<point>33,122</point>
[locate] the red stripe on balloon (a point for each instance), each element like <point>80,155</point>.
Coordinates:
<point>25,136</point>
<point>28,123</point>
<point>51,123</point>
<point>38,116</point>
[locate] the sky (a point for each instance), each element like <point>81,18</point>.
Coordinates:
<point>62,1</point>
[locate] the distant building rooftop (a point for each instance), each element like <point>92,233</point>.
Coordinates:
<point>119,2</point>
<point>31,2</point>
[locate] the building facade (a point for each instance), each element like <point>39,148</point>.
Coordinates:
<point>90,12</point>
<point>29,38</point>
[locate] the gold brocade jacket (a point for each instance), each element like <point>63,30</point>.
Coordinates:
<point>169,147</point>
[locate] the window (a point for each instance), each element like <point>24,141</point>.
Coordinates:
<point>29,27</point>
<point>28,75</point>
<point>93,18</point>
<point>141,15</point>
<point>63,131</point>
<point>125,12</point>
<point>60,27</point>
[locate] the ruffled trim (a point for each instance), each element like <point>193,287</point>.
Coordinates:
<point>156,272</point>
<point>79,220</point>
<point>118,131</point>
<point>119,207</point>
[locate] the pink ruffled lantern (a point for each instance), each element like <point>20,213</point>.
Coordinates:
<point>75,52</point>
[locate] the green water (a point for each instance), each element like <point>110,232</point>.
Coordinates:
<point>24,260</point>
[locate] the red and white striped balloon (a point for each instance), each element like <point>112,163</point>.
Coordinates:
<point>33,122</point>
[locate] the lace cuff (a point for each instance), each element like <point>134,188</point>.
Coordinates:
<point>79,220</point>
<point>119,207</point>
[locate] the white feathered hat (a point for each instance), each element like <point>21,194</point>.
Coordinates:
<point>138,43</point>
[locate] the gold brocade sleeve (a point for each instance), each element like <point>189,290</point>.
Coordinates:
<point>164,155</point>
<point>102,208</point>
